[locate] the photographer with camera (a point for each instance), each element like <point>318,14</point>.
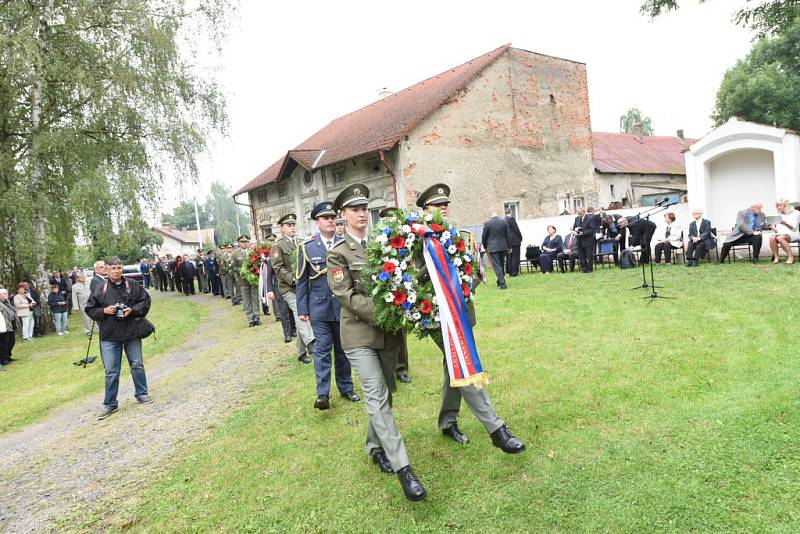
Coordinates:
<point>119,307</point>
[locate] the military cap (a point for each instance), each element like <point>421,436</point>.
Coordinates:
<point>339,221</point>
<point>435,194</point>
<point>243,238</point>
<point>322,209</point>
<point>229,245</point>
<point>290,218</point>
<point>387,212</point>
<point>212,251</point>
<point>353,195</point>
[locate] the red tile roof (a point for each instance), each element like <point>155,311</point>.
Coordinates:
<point>624,153</point>
<point>380,125</point>
<point>189,236</point>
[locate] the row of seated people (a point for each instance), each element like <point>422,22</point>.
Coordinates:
<point>637,232</point>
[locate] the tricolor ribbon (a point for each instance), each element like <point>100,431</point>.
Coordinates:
<point>262,281</point>
<point>461,353</point>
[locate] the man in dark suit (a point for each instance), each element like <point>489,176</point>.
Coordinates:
<point>641,232</point>
<point>586,226</point>
<point>700,239</point>
<point>514,243</point>
<point>495,242</point>
<point>569,253</point>
<point>749,223</point>
<point>99,275</point>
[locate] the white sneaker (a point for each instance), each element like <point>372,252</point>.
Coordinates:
<point>59,333</point>
<point>66,331</point>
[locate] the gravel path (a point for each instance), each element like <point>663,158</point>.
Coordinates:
<point>71,461</point>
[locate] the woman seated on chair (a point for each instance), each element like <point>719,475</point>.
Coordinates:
<point>551,246</point>
<point>672,239</point>
<point>786,232</point>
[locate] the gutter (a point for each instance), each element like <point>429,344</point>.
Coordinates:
<point>382,153</point>
<point>252,214</point>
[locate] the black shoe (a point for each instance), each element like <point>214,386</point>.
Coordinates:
<point>107,410</point>
<point>503,439</point>
<point>412,487</point>
<point>351,396</point>
<point>304,358</point>
<point>251,324</point>
<point>322,403</point>
<point>287,339</point>
<point>755,260</point>
<point>10,359</point>
<point>455,434</point>
<point>379,458</point>
<point>294,333</point>
<point>144,399</point>
<point>226,296</point>
<point>404,378</point>
<point>256,323</point>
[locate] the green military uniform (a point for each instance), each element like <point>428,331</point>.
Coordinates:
<point>402,353</point>
<point>224,274</point>
<point>281,259</point>
<point>248,293</point>
<point>477,399</point>
<point>372,352</point>
<point>228,261</point>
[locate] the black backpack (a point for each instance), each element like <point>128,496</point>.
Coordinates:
<point>627,259</point>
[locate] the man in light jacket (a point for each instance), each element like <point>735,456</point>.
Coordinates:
<point>749,224</point>
<point>80,296</point>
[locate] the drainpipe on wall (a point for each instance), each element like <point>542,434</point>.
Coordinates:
<point>394,178</point>
<point>252,215</point>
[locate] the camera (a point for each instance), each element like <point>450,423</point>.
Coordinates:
<point>120,314</point>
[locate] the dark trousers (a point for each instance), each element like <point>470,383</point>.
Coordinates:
<point>173,282</point>
<point>666,249</point>
<point>512,262</point>
<point>696,251</point>
<point>563,258</point>
<point>188,286</point>
<point>546,262</point>
<point>327,340</point>
<point>752,240</point>
<point>215,284</point>
<point>586,248</point>
<point>286,317</point>
<point>402,356</point>
<point>7,341</point>
<point>162,281</point>
<point>498,265</point>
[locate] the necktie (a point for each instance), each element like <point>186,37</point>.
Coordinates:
<point>364,243</point>
<point>328,244</point>
<point>666,234</point>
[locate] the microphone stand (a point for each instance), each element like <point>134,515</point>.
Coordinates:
<point>645,215</point>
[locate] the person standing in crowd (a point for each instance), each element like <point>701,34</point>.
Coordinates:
<point>32,292</point>
<point>177,273</point>
<point>372,352</point>
<point>119,307</point>
<point>249,294</point>
<point>672,239</point>
<point>586,226</point>
<point>514,243</point>
<point>551,248</point>
<point>99,275</point>
<point>144,268</point>
<point>640,234</point>
<point>281,256</point>
<point>161,281</point>
<point>494,240</point>
<point>611,230</point>
<point>8,316</point>
<point>236,298</point>
<point>170,269</point>
<point>747,231</point>
<point>701,239</point>
<point>340,227</point>
<point>212,270</point>
<point>57,300</point>
<point>317,305</point>
<point>23,305</point>
<point>223,272</point>
<point>786,232</point>
<point>437,197</point>
<point>80,296</point>
<point>569,252</point>
<point>188,269</point>
<point>200,272</point>
<point>68,293</point>
<point>281,307</point>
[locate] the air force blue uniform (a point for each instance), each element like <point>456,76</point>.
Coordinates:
<point>316,300</point>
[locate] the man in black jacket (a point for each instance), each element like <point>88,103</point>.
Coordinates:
<point>586,226</point>
<point>495,242</point>
<point>119,307</point>
<point>641,232</point>
<point>514,242</point>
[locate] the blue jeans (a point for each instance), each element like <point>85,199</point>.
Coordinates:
<point>326,339</point>
<point>60,318</point>
<point>111,352</point>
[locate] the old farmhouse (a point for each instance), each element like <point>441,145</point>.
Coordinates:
<point>508,129</point>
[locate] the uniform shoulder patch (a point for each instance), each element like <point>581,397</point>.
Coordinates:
<point>337,273</point>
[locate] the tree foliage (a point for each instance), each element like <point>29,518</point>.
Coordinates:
<point>633,118</point>
<point>765,17</point>
<point>98,101</point>
<point>764,87</point>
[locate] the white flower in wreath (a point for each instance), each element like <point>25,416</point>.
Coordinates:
<point>411,297</point>
<point>446,235</point>
<point>409,315</point>
<point>417,316</point>
<point>457,262</point>
<point>436,318</point>
<point>388,297</point>
<point>374,277</point>
<point>387,249</point>
<point>408,286</point>
<point>404,265</point>
<point>406,229</point>
<point>467,258</point>
<point>428,217</point>
<point>382,238</point>
<point>395,261</point>
<point>410,241</point>
<point>451,250</point>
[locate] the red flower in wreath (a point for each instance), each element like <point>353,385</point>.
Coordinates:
<point>399,297</point>
<point>418,229</point>
<point>397,242</point>
<point>468,268</point>
<point>438,228</point>
<point>461,246</point>
<point>425,307</point>
<point>389,267</point>
<point>466,290</point>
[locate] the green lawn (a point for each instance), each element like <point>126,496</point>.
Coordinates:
<point>681,415</point>
<point>45,378</point>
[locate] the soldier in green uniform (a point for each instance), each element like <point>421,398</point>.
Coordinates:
<point>236,298</point>
<point>372,352</point>
<point>248,293</point>
<point>437,197</point>
<point>281,260</point>
<point>402,354</point>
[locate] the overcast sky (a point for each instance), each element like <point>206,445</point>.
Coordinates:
<point>289,68</point>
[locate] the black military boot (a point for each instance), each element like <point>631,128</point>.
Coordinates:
<point>412,487</point>
<point>503,439</point>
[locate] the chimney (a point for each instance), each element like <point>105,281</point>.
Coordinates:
<point>166,226</point>
<point>383,92</point>
<point>637,132</point>
<point>680,135</point>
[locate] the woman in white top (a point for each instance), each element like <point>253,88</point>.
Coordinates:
<point>24,306</point>
<point>672,239</point>
<point>786,232</point>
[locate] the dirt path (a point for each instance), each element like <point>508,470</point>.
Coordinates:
<point>72,461</point>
